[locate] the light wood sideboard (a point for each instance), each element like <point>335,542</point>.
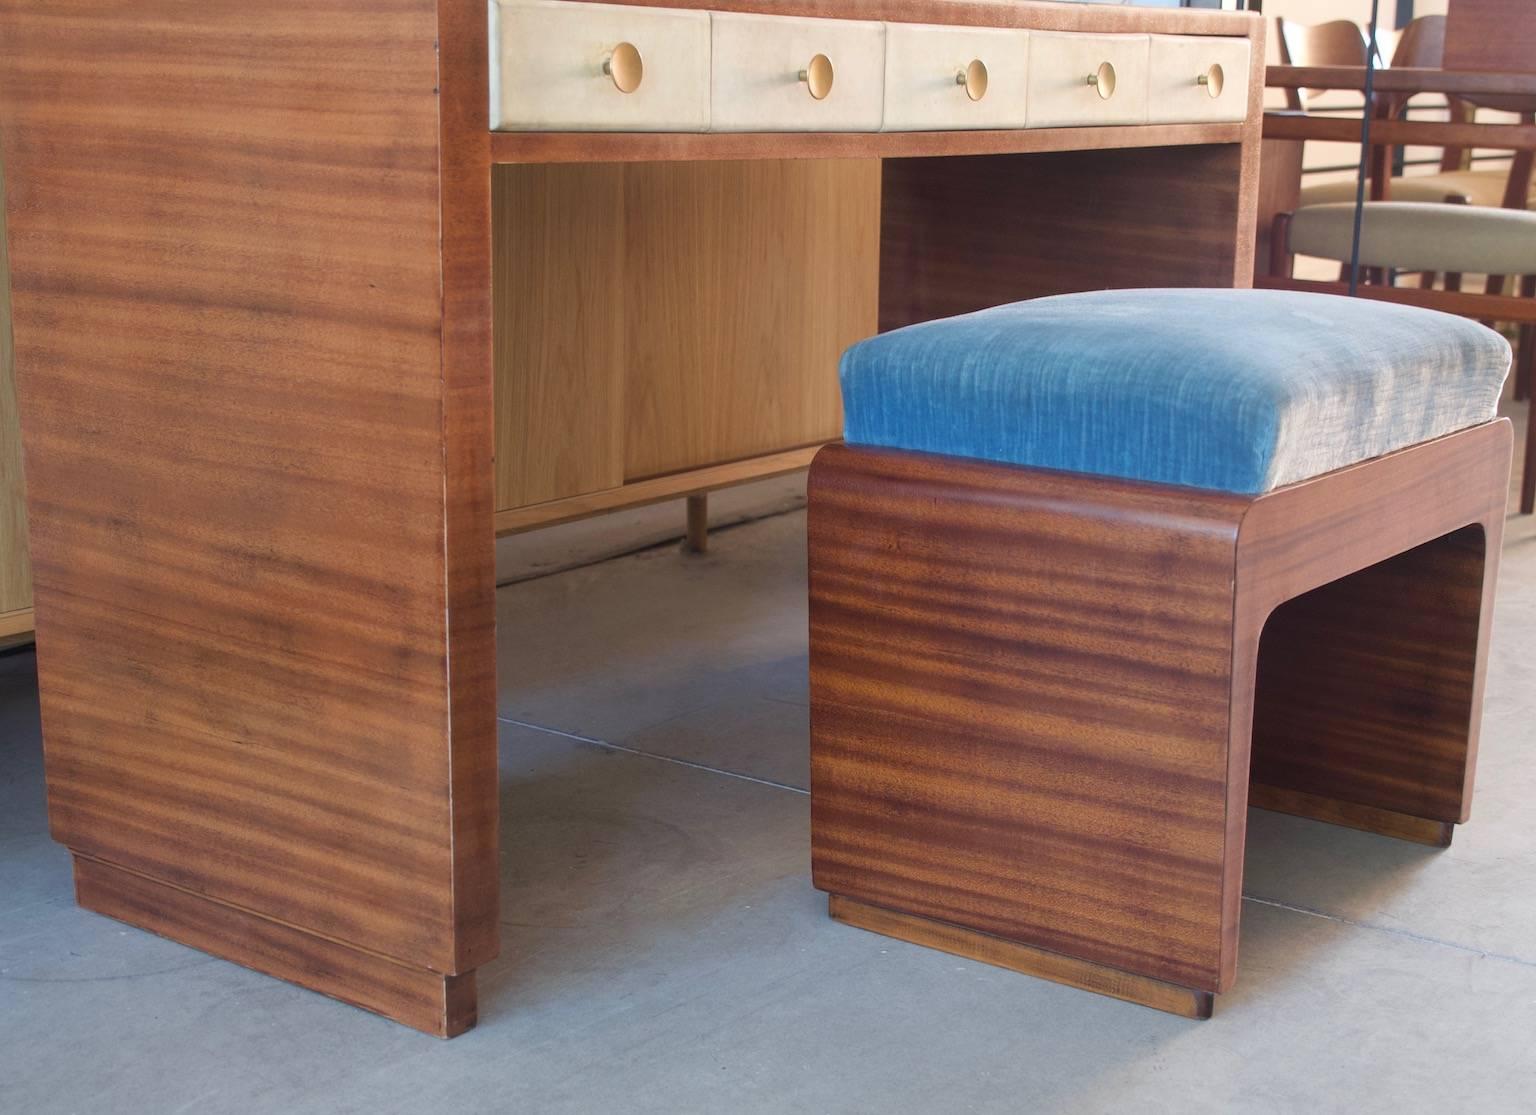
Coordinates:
<point>297,332</point>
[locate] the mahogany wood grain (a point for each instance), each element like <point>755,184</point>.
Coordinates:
<point>1033,693</point>
<point>469,487</point>
<point>1022,958</point>
<point>1020,716</point>
<point>961,234</point>
<point>250,252</point>
<point>1332,717</point>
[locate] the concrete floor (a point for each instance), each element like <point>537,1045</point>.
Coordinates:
<point>663,950</point>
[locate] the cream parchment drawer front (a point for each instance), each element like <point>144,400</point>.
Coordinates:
<point>1197,79</point>
<point>1077,79</point>
<point>598,67</point>
<point>939,78</point>
<point>778,74</point>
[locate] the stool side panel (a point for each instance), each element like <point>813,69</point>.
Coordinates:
<point>1367,596</point>
<point>1020,704</point>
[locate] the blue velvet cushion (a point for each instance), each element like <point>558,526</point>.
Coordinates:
<point>1238,390</point>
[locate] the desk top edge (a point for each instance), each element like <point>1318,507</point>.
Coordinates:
<point>1033,15</point>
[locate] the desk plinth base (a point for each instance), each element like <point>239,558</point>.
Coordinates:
<point>1082,974</point>
<point>419,998</point>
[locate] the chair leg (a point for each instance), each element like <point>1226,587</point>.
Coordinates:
<point>1528,475</point>
<point>1494,285</point>
<point>1281,261</point>
<point>1525,355</point>
<point>1525,361</point>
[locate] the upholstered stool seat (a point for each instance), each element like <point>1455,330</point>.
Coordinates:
<point>1093,573</point>
<point>1238,390</point>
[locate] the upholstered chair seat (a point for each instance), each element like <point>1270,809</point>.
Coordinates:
<point>1421,236</point>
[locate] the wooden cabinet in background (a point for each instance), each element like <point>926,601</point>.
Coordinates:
<point>664,327</point>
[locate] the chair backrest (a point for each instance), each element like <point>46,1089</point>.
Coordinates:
<point>1421,45</point>
<point>1339,42</point>
<point>1498,35</point>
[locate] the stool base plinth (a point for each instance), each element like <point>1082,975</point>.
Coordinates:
<point>1349,814</point>
<point>984,947</point>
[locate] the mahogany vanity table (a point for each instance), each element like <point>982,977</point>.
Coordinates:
<point>297,332</point>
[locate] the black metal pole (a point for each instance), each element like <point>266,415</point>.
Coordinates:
<point>1365,148</point>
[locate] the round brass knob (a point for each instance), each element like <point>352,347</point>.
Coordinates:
<point>625,67</point>
<point>1213,79</point>
<point>818,76</point>
<point>974,79</point>
<point>1103,79</point>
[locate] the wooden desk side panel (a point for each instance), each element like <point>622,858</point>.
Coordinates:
<point>15,565</point>
<point>229,296</point>
<point>963,233</point>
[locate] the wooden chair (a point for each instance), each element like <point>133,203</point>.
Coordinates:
<point>1493,35</point>
<point>1420,45</point>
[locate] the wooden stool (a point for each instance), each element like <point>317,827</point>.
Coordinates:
<point>1039,691</point>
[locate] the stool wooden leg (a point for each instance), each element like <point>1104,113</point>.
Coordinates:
<point>1369,692</point>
